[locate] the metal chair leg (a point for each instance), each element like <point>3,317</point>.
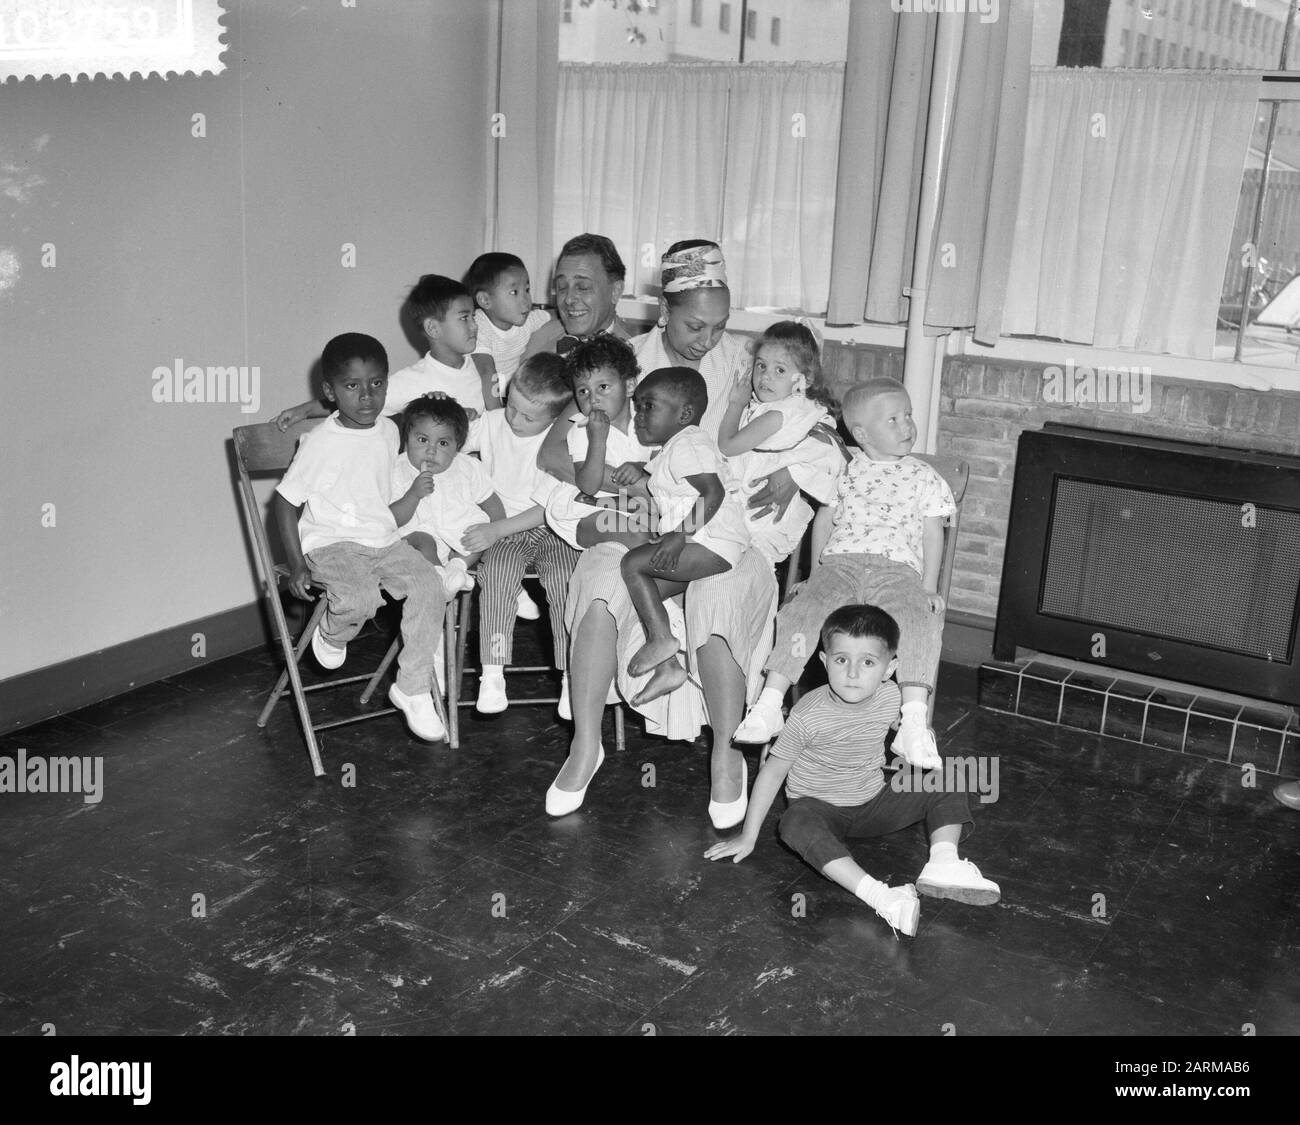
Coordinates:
<point>451,675</point>
<point>620,740</point>
<point>292,674</point>
<point>291,655</point>
<point>382,670</point>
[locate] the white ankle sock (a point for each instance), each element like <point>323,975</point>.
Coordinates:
<point>872,892</point>
<point>914,712</point>
<point>771,699</point>
<point>493,672</point>
<point>943,853</point>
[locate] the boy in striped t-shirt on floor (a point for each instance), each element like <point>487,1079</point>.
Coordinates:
<point>830,756</point>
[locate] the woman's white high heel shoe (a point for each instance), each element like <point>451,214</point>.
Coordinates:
<point>733,812</point>
<point>561,802</point>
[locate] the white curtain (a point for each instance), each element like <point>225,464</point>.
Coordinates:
<point>746,155</point>
<point>1127,198</point>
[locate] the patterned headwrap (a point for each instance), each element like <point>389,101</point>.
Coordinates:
<point>700,267</point>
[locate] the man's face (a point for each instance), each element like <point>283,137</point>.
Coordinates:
<point>584,294</point>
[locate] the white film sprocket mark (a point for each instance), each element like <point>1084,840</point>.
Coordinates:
<point>111,38</point>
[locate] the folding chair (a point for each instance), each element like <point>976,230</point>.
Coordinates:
<point>261,450</point>
<point>957,474</point>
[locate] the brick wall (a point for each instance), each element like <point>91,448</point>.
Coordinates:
<point>984,406</point>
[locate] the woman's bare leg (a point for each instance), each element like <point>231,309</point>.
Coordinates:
<point>590,678</point>
<point>724,696</point>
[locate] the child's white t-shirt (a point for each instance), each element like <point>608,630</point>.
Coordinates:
<point>428,374</point>
<point>453,505</point>
<point>506,346</point>
<point>343,479</point>
<point>799,415</point>
<point>620,447</point>
<point>882,508</point>
<point>691,452</point>
<point>510,460</point>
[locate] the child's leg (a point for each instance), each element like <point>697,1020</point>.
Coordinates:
<point>947,875</point>
<point>818,831</point>
<point>643,586</point>
<point>834,582</point>
<point>554,561</point>
<point>610,526</point>
<point>500,572</point>
<point>897,590</point>
<point>352,597</point>
<point>404,573</point>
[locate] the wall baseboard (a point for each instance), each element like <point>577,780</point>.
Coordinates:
<point>33,697</point>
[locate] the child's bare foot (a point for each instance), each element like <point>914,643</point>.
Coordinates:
<point>651,655</point>
<point>669,676</point>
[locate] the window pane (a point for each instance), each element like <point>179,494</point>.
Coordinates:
<point>686,31</point>
<point>1273,321</point>
<point>1157,33</point>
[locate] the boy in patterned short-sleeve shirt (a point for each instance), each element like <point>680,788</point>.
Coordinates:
<point>881,544</point>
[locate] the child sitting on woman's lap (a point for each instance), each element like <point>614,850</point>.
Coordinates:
<point>701,527</point>
<point>607,457</point>
<point>774,406</point>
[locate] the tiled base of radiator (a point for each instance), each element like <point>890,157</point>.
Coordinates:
<point>1219,727</point>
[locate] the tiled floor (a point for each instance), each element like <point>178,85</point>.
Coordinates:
<point>435,896</point>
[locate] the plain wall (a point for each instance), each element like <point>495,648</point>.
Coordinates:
<point>330,125</point>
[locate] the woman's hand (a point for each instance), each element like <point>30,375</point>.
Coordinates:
<point>937,604</point>
<point>778,490</point>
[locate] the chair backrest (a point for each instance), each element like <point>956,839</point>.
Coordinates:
<point>263,448</point>
<point>957,473</point>
<point>953,470</point>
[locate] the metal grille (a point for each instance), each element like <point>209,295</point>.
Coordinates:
<point>1174,567</point>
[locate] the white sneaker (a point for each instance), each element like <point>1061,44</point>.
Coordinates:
<point>564,708</point>
<point>526,608</point>
<point>761,724</point>
<point>902,910</point>
<point>327,655</point>
<point>959,880</point>
<point>915,744</point>
<point>491,696</point>
<point>421,715</point>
